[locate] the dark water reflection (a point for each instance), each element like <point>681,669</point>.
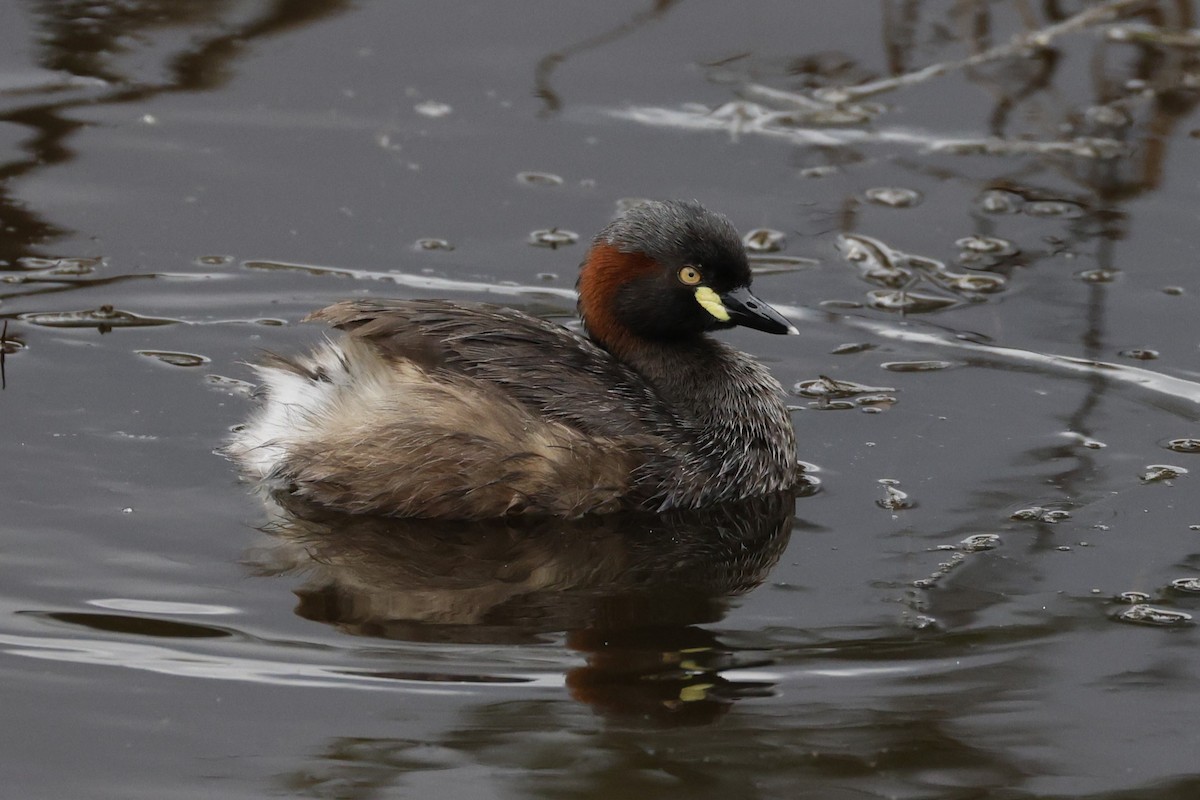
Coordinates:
<point>507,581</point>
<point>94,53</point>
<point>986,222</point>
<point>629,590</point>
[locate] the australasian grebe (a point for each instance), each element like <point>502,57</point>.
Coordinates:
<point>439,409</point>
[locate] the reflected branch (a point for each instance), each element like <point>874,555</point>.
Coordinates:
<point>550,62</point>
<point>1017,46</point>
<point>84,44</point>
<point>3,355</point>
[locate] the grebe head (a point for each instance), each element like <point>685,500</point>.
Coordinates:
<point>668,271</point>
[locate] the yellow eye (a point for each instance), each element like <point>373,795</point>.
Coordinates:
<point>689,276</point>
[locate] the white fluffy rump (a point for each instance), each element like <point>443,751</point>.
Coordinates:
<point>297,395</point>
<point>357,430</point>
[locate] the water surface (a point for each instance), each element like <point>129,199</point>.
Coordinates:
<point>982,216</point>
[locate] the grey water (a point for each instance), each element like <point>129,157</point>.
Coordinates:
<point>983,216</point>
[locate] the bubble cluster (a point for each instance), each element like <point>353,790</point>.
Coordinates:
<point>1143,614</point>
<point>1156,473</point>
<point>1049,516</point>
<point>899,273</point>
<point>980,542</point>
<point>831,394</point>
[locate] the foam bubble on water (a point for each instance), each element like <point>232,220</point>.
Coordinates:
<point>894,499</point>
<point>539,179</point>
<point>1156,473</point>
<point>893,196</point>
<point>1143,614</point>
<point>764,240</point>
<point>979,542</point>
<point>553,238</point>
<point>175,359</point>
<point>1050,516</point>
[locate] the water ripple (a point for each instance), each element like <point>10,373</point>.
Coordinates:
<point>417,281</point>
<point>191,664</point>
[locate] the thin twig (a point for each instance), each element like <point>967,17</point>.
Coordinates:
<point>753,119</point>
<point>1026,41</point>
<point>1147,34</point>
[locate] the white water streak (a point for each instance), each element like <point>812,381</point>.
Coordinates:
<point>421,281</point>
<point>1176,389</point>
<point>166,661</point>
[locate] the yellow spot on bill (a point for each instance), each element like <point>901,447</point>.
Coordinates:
<point>712,303</point>
<point>697,691</point>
